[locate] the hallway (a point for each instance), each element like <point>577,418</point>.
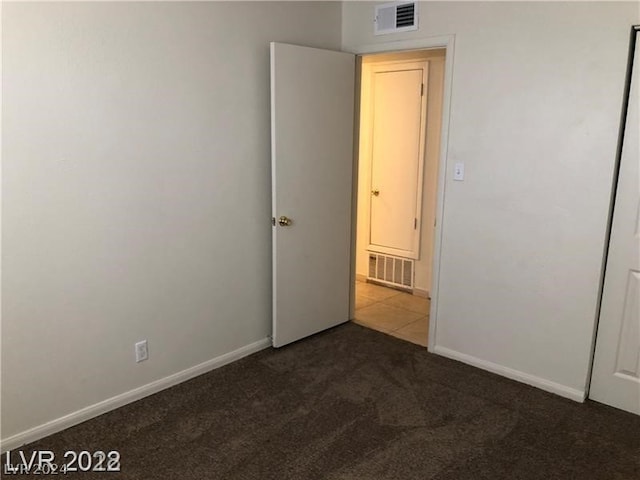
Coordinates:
<point>393,312</point>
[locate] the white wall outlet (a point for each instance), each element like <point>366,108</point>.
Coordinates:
<point>142,351</point>
<point>458,171</point>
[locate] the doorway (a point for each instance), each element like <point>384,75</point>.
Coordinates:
<point>313,174</point>
<point>401,104</point>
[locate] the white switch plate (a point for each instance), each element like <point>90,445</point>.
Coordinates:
<point>142,351</point>
<point>458,171</point>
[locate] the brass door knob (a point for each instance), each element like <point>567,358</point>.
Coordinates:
<point>284,221</point>
<point>375,193</point>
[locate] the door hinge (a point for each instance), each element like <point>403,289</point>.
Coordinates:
<point>415,223</point>
<point>422,90</point>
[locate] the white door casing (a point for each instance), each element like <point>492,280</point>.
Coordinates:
<point>398,114</point>
<point>616,367</point>
<point>312,123</point>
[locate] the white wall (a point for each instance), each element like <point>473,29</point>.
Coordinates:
<point>136,191</point>
<point>536,101</point>
<point>423,265</point>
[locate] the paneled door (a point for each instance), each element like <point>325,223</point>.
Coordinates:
<point>398,128</point>
<point>616,369</point>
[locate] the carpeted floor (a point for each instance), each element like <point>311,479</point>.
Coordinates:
<point>352,403</point>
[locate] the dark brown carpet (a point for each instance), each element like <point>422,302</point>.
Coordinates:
<point>352,403</point>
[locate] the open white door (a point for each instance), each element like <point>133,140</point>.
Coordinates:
<point>312,113</point>
<point>616,368</point>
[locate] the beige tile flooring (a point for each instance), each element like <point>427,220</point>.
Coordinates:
<point>393,312</point>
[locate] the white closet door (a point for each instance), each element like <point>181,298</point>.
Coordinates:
<point>616,369</point>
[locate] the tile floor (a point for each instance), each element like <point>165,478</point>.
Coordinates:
<point>393,312</point>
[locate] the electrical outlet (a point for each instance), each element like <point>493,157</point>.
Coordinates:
<point>142,351</point>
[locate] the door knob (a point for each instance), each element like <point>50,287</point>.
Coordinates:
<point>284,221</point>
<point>375,193</point>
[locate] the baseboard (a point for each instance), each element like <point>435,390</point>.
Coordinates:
<point>418,292</point>
<point>87,413</point>
<point>534,381</point>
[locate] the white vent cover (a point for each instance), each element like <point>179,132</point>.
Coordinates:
<point>395,17</point>
<point>390,270</point>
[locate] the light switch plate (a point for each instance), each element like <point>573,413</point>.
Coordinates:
<point>458,171</point>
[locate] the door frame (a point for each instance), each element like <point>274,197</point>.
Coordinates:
<point>446,42</point>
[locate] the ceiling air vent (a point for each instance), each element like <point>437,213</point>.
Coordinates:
<point>395,17</point>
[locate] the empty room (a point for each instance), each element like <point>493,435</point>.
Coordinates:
<point>320,240</point>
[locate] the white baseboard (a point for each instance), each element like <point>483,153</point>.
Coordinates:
<point>87,413</point>
<point>419,292</point>
<point>541,383</point>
